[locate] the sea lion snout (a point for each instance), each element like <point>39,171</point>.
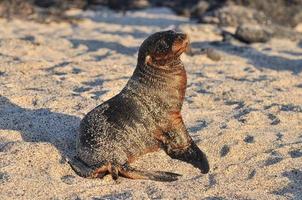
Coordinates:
<point>180,43</point>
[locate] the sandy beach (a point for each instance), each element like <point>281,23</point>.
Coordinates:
<point>244,111</point>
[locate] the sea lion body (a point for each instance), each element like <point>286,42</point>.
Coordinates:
<point>144,117</point>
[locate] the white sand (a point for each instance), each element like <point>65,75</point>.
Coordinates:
<point>244,111</point>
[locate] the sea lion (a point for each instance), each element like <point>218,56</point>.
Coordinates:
<point>144,117</point>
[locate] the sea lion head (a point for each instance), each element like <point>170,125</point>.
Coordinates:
<point>163,47</point>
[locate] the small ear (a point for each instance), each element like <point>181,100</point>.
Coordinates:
<point>148,59</point>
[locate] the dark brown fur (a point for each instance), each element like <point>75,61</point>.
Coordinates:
<point>144,117</point>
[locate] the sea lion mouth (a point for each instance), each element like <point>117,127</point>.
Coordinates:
<point>180,44</point>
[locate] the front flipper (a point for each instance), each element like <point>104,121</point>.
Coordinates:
<point>193,155</point>
<point>179,145</point>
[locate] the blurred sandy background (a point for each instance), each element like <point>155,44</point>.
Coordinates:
<point>243,103</point>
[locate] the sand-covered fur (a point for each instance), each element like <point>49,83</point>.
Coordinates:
<point>144,117</point>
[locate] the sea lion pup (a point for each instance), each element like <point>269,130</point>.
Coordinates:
<point>144,117</point>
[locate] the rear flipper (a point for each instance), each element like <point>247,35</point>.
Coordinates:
<point>115,170</point>
<point>192,155</point>
<point>132,173</point>
<point>86,171</point>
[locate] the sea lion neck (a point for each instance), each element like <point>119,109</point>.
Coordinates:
<point>168,66</point>
<point>171,64</point>
<point>160,81</point>
<point>159,74</point>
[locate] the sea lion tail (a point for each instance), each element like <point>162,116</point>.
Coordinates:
<point>149,175</point>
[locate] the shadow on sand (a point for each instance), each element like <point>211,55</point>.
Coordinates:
<point>258,59</point>
<point>300,44</point>
<point>40,125</point>
<point>159,17</point>
<point>95,45</point>
<point>294,187</point>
